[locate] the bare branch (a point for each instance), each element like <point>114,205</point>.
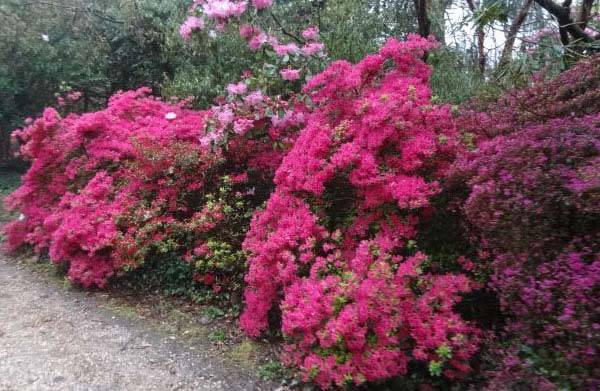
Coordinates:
<point>584,13</point>
<point>563,15</point>
<point>512,33</point>
<point>284,31</point>
<point>481,57</point>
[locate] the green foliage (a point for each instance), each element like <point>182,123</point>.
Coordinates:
<point>217,336</point>
<point>454,78</point>
<point>9,181</point>
<point>213,312</point>
<point>435,368</point>
<point>490,13</point>
<point>273,370</point>
<point>96,47</point>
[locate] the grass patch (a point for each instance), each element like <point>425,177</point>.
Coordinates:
<point>9,181</point>
<point>273,370</point>
<point>122,311</point>
<point>218,336</point>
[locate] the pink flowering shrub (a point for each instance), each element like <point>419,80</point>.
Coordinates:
<point>143,180</point>
<point>302,55</point>
<point>575,92</point>
<point>333,246</point>
<point>534,186</point>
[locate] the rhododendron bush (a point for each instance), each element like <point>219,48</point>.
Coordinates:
<point>108,190</point>
<point>533,203</point>
<point>332,246</point>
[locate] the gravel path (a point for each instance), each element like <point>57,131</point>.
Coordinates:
<point>54,339</point>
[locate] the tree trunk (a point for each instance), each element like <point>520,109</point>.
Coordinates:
<point>423,21</point>
<point>480,34</point>
<point>584,13</point>
<point>512,34</point>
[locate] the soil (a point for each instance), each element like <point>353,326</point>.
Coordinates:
<point>56,337</point>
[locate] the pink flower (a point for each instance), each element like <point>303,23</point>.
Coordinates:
<point>248,31</point>
<point>290,74</point>
<point>242,125</point>
<point>225,116</point>
<point>261,4</point>
<point>237,89</point>
<point>74,96</point>
<point>254,98</point>
<point>224,9</point>
<point>311,33</point>
<point>191,24</point>
<point>258,40</point>
<point>310,49</point>
<point>287,49</point>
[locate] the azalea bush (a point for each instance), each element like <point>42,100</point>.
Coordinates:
<point>334,246</point>
<point>534,186</point>
<point>573,93</point>
<point>110,190</point>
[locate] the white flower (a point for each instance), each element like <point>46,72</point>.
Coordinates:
<point>170,116</point>
<point>45,37</point>
<point>21,217</point>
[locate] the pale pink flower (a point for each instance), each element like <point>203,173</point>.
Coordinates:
<point>258,40</point>
<point>225,117</point>
<point>191,24</point>
<point>242,125</point>
<point>237,89</point>
<point>254,98</point>
<point>282,50</point>
<point>290,74</point>
<point>310,49</point>
<point>224,9</point>
<point>261,4</point>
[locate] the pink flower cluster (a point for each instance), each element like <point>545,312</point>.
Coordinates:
<point>534,186</point>
<point>221,10</point>
<point>257,38</point>
<point>106,188</point>
<point>332,241</point>
<point>572,93</point>
<point>191,24</point>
